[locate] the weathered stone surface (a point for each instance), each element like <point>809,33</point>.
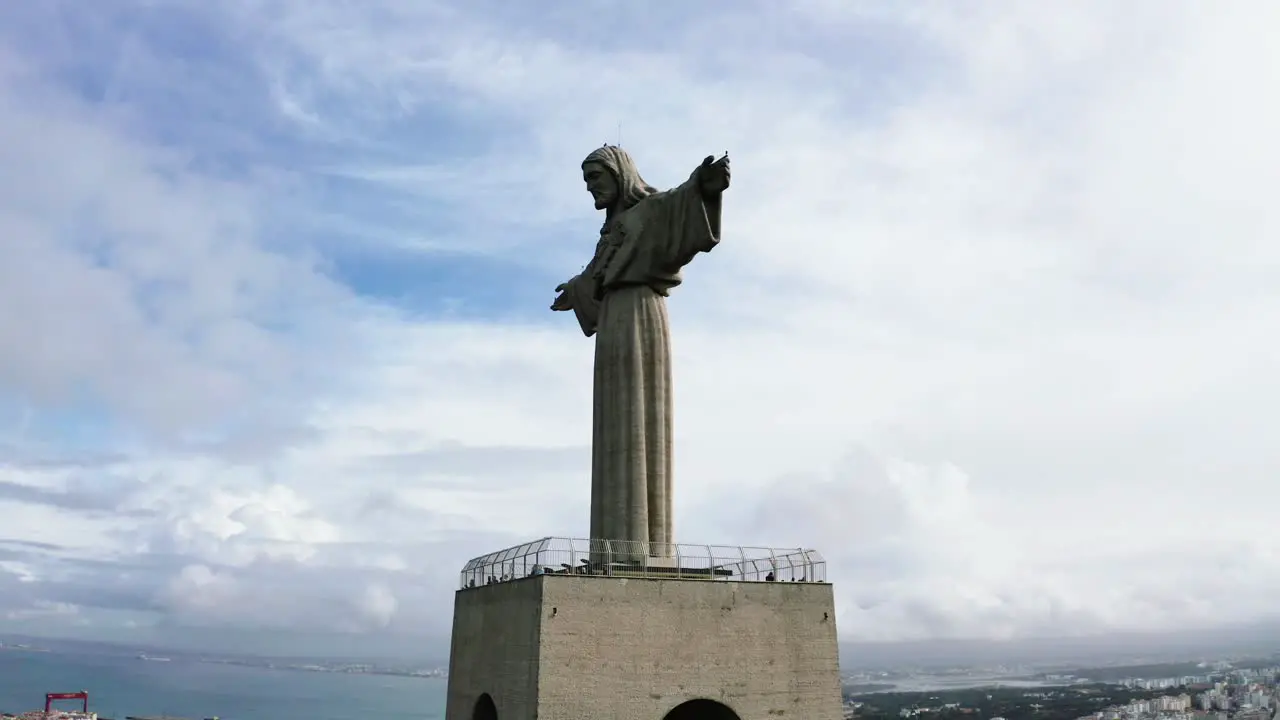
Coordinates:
<point>583,648</point>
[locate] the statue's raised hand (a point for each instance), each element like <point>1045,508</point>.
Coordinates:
<point>562,301</point>
<point>713,175</point>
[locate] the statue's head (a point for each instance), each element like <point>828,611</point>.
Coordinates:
<point>613,180</point>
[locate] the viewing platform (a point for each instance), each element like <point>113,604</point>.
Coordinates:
<point>628,559</point>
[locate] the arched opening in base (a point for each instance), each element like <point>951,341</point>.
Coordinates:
<point>701,710</point>
<point>485,709</point>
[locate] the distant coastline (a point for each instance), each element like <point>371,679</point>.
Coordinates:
<point>314,666</point>
<point>947,683</point>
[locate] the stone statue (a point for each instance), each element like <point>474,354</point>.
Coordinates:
<point>620,297</point>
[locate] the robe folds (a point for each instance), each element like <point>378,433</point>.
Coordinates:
<point>620,299</point>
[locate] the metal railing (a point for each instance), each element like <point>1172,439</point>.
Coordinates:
<point>622,558</point>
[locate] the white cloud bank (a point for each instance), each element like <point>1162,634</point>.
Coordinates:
<point>993,326</point>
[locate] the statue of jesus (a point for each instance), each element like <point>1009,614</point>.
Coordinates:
<point>620,297</point>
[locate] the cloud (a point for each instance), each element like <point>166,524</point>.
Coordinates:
<point>989,327</point>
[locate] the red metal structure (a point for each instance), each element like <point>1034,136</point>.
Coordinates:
<point>82,696</point>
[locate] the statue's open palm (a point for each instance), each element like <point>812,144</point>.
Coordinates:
<point>713,175</point>
<point>562,301</point>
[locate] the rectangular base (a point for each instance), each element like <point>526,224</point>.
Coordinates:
<point>583,647</point>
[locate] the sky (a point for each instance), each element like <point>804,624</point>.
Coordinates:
<point>992,326</point>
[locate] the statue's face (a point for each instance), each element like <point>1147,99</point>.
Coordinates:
<point>601,183</point>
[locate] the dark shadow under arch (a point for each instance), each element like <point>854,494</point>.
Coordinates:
<point>484,709</point>
<point>701,710</point>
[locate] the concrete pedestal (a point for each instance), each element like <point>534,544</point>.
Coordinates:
<point>572,647</point>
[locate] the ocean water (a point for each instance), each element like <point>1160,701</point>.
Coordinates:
<point>121,686</point>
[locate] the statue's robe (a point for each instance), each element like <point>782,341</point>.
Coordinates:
<point>620,298</point>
